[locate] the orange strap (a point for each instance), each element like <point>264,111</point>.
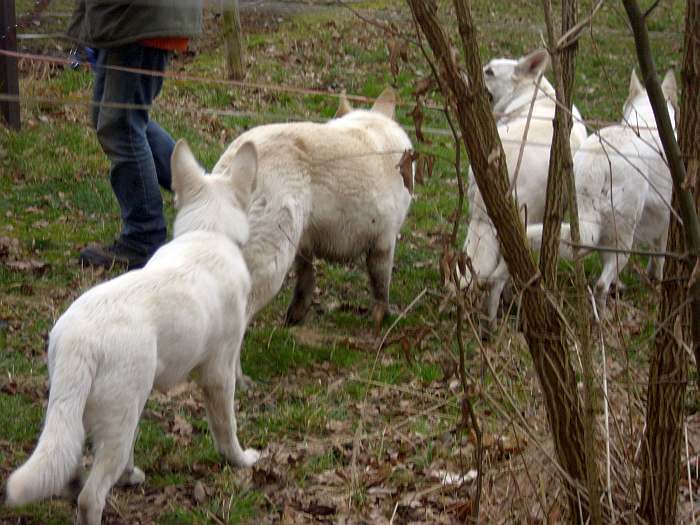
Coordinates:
<point>175,43</point>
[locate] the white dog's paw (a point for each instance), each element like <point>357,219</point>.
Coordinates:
<point>133,477</point>
<point>250,456</point>
<point>244,382</point>
<point>463,280</point>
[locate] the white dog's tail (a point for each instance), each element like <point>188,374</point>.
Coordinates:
<point>59,451</point>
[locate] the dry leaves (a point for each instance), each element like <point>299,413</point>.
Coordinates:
<point>10,257</point>
<point>182,429</point>
<point>199,493</point>
<point>405,166</point>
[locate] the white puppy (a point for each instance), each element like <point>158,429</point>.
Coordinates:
<point>512,85</point>
<point>623,188</point>
<point>329,190</point>
<point>183,312</point>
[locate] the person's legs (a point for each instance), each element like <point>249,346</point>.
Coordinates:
<point>98,86</point>
<point>125,134</point>
<point>162,145</point>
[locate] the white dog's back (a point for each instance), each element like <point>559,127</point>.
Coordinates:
<point>330,190</point>
<point>184,310</point>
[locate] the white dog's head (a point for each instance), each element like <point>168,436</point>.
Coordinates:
<point>217,203</point>
<point>637,109</point>
<point>506,77</point>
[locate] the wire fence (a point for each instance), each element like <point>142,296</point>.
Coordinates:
<point>609,150</point>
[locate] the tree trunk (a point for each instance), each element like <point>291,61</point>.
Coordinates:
<point>560,177</point>
<point>544,329</point>
<point>668,370</point>
<point>233,36</point>
<point>661,450</point>
<point>690,147</point>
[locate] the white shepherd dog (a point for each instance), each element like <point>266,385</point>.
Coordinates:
<point>623,188</point>
<point>183,312</point>
<point>330,190</point>
<point>512,85</point>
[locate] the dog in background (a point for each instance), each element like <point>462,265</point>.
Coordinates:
<point>623,189</point>
<point>332,191</point>
<point>512,85</point>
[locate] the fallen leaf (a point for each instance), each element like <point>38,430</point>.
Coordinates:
<point>32,265</point>
<point>9,388</point>
<point>405,166</point>
<point>452,478</point>
<point>319,510</point>
<point>336,426</point>
<point>181,427</point>
<point>423,86</point>
<point>200,494</point>
<point>8,247</point>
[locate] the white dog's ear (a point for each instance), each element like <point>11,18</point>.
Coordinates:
<point>188,175</point>
<point>636,87</point>
<point>386,103</point>
<point>670,88</point>
<point>243,171</point>
<point>533,64</point>
<point>344,106</point>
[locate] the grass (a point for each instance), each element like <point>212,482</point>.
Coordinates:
<point>343,426</point>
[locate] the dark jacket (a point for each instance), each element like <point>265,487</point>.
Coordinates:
<point>111,23</point>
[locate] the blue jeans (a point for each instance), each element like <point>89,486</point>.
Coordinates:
<point>138,148</point>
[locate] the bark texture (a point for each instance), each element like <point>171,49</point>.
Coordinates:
<point>560,161</point>
<point>561,184</point>
<point>544,330</point>
<point>668,371</point>
<point>689,137</point>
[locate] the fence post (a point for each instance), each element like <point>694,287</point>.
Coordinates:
<point>233,37</point>
<point>9,80</point>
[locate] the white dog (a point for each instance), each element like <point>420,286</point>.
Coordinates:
<point>183,312</point>
<point>623,188</point>
<point>512,85</point>
<point>329,190</point>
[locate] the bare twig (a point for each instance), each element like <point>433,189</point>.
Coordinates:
<point>613,249</point>
<point>573,34</point>
<point>535,96</point>
<point>690,478</point>
<point>651,9</point>
<point>605,406</point>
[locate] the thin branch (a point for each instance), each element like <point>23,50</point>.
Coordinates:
<point>535,96</point>
<point>572,35</point>
<point>614,249</point>
<point>666,128</point>
<point>651,9</point>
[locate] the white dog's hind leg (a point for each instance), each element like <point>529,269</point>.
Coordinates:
<point>113,439</point>
<point>243,381</point>
<point>621,221</point>
<point>613,263</point>
<point>655,267</point>
<point>498,280</point>
<point>303,291</point>
<point>219,389</point>
<point>380,259</point>
<point>132,475</point>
